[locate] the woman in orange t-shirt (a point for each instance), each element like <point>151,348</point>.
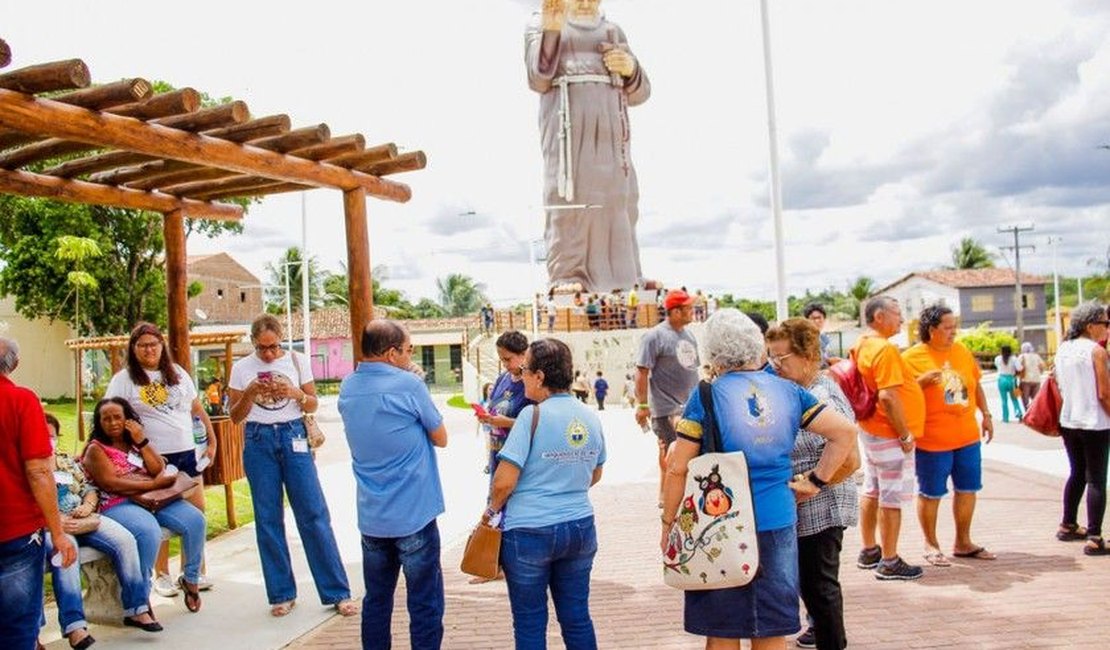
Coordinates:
<point>949,378</point>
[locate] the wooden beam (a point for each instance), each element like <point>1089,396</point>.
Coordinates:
<point>263,127</point>
<point>407,162</point>
<point>209,118</point>
<point>338,146</point>
<point>5,54</point>
<point>186,100</point>
<point>295,139</point>
<point>369,156</point>
<point>260,190</point>
<point>219,186</point>
<point>97,98</point>
<point>177,310</point>
<point>51,187</point>
<point>25,113</point>
<point>47,77</point>
<point>360,297</point>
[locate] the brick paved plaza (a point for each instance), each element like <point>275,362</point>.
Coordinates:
<point>1040,593</point>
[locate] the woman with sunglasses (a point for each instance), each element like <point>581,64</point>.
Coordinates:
<point>271,390</point>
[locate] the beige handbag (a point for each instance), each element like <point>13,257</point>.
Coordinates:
<point>316,437</point>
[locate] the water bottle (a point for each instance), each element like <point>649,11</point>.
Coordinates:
<point>200,439</point>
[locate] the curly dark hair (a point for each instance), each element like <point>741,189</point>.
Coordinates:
<point>812,307</point>
<point>554,358</point>
<point>129,413</point>
<point>513,341</point>
<point>929,318</point>
<point>165,363</point>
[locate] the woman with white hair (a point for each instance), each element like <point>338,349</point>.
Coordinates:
<point>760,414</point>
<point>1032,366</point>
<point>1081,372</point>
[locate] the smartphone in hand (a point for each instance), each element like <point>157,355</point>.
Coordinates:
<point>479,410</point>
<point>265,375</point>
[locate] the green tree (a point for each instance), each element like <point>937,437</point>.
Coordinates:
<point>291,262</point>
<point>77,250</point>
<point>460,295</point>
<point>970,254</point>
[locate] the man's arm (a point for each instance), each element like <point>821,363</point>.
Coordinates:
<point>439,436</point>
<point>892,407</point>
<point>40,478</point>
<point>642,410</point>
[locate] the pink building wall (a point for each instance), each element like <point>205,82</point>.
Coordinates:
<point>339,360</point>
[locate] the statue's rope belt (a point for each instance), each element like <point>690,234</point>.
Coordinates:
<point>566,143</point>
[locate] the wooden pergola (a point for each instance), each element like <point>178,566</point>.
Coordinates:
<point>124,146</point>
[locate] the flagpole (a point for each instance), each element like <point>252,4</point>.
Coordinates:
<point>781,309</point>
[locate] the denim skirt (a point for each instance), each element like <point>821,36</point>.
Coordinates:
<point>765,607</point>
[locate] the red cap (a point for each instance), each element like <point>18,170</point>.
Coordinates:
<point>677,298</point>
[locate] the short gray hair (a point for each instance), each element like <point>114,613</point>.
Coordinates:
<point>875,305</point>
<point>9,355</point>
<point>1086,314</point>
<point>732,340</point>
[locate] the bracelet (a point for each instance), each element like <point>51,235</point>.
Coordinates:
<point>490,514</point>
<point>987,414</point>
<point>304,398</point>
<point>907,439</point>
<point>643,405</point>
<point>813,478</point>
<point>140,445</point>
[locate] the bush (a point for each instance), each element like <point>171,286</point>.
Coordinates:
<point>983,341</point>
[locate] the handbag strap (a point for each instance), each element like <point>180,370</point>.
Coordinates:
<point>710,432</point>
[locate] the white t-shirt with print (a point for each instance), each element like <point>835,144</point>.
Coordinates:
<point>283,369</point>
<point>166,411</point>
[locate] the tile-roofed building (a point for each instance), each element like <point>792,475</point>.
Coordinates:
<point>976,296</point>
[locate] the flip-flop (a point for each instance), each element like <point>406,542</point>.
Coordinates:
<point>936,558</point>
<point>979,553</point>
<point>278,610</point>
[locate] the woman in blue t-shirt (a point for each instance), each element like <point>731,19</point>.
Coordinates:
<point>760,414</point>
<point>552,456</point>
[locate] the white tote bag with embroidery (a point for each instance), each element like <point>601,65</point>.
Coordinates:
<point>713,543</point>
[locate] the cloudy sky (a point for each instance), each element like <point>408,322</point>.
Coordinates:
<point>903,126</point>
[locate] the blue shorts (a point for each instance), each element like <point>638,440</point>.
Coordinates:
<point>964,465</point>
<point>185,461</point>
<point>765,607</point>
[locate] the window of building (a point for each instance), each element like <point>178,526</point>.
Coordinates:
<point>219,293</point>
<point>982,302</point>
<point>242,296</point>
<point>456,357</point>
<point>1028,301</point>
<point>348,352</point>
<point>428,362</point>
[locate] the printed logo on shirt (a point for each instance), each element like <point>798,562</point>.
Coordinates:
<point>577,433</point>
<point>758,413</point>
<point>269,403</point>
<point>155,395</point>
<point>687,354</point>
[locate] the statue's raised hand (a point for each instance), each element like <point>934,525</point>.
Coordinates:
<point>554,15</point>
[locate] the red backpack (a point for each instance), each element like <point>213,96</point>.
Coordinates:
<point>859,394</point>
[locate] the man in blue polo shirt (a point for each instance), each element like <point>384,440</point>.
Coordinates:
<point>392,426</point>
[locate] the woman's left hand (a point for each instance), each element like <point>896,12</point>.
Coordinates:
<point>82,511</point>
<point>665,538</point>
<point>803,489</point>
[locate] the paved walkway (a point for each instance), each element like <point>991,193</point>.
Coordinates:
<point>1040,593</point>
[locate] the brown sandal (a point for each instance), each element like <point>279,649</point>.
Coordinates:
<point>191,593</point>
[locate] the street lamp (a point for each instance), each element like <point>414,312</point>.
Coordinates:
<point>1052,241</point>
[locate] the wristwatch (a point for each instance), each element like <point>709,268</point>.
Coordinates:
<point>812,476</point>
<point>304,398</point>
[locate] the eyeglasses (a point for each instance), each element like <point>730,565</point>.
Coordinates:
<point>267,348</point>
<point>408,349</point>
<point>777,361</point>
<point>149,346</point>
<point>1101,322</point>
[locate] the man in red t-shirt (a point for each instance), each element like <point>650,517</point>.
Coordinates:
<point>28,502</point>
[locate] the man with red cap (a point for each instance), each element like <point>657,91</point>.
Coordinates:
<point>667,367</point>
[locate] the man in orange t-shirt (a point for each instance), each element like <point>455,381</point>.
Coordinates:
<point>949,377</point>
<point>888,441</point>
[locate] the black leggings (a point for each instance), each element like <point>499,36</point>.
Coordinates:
<point>1087,455</point>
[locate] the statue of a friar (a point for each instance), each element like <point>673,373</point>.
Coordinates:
<point>587,77</point>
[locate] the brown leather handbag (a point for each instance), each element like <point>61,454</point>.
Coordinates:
<point>155,500</point>
<point>482,555</point>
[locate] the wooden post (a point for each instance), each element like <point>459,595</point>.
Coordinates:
<point>78,356</point>
<point>360,295</point>
<point>173,231</point>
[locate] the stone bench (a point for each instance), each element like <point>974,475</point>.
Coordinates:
<point>102,598</point>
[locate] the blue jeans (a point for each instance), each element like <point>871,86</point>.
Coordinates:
<point>274,469</point>
<point>382,559</point>
<point>67,591</point>
<point>115,541</point>
<point>21,562</point>
<point>180,516</point>
<point>560,557</point>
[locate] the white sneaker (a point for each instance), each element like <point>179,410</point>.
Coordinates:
<point>165,586</point>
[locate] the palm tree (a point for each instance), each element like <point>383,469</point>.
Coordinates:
<point>77,249</point>
<point>290,262</point>
<point>970,254</point>
<point>460,295</point>
<point>861,288</point>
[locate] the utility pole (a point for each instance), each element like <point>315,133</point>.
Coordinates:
<point>1053,241</point>
<point>1019,304</point>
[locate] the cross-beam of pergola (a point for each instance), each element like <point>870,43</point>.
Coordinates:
<point>126,147</point>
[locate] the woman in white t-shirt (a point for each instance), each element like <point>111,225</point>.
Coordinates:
<point>1032,366</point>
<point>165,399</point>
<point>271,390</point>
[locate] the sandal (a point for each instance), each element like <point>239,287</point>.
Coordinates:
<point>83,643</point>
<point>191,593</point>
<point>1095,546</point>
<point>977,553</point>
<point>1071,533</point>
<point>346,607</point>
<point>936,558</point>
<point>278,610</point>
